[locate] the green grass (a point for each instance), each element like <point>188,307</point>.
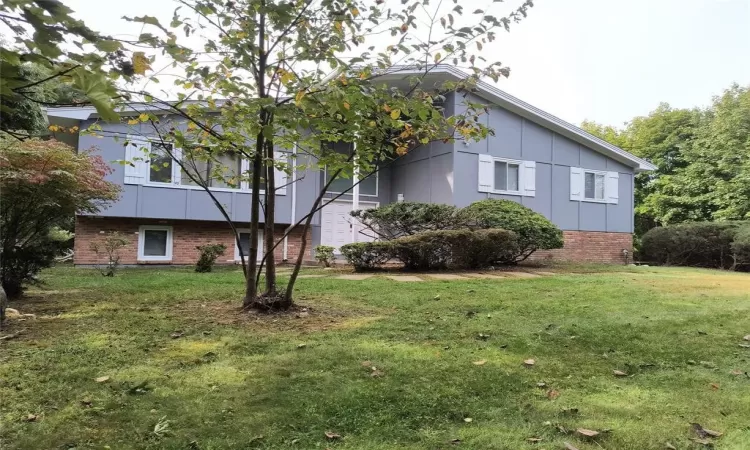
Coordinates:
<point>234,380</point>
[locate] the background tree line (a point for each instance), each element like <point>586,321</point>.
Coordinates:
<point>702,157</point>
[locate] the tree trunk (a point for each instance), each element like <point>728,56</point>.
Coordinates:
<point>251,287</point>
<point>270,221</point>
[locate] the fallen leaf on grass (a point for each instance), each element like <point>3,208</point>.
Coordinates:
<point>587,433</point>
<point>103,379</point>
<point>468,419</point>
<point>31,418</point>
<point>553,394</point>
<point>541,384</point>
<point>86,402</point>
<point>481,362</point>
<point>704,432</point>
<point>669,446</point>
<point>534,440</point>
<point>736,372</point>
<point>529,362</point>
<point>714,386</point>
<point>366,363</point>
<point>455,441</point>
<point>619,373</point>
<point>176,334</point>
<point>330,435</point>
<point>569,446</point>
<point>746,338</point>
<point>301,345</point>
<point>377,373</point>
<point>744,345</point>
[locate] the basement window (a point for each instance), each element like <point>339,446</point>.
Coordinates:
<point>155,243</point>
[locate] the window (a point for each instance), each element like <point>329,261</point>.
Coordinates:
<point>367,187</point>
<point>221,171</point>
<point>594,185</point>
<point>507,176</point>
<point>245,244</point>
<point>155,243</point>
<point>160,170</point>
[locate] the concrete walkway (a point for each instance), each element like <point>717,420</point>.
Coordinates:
<point>436,276</point>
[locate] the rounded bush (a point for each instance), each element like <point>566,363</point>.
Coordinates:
<point>456,249</point>
<point>407,218</point>
<point>698,244</point>
<point>534,231</point>
<point>367,255</point>
<point>741,247</point>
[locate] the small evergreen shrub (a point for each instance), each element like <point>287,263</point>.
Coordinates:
<point>698,244</point>
<point>456,249</point>
<point>209,254</point>
<point>533,230</point>
<point>367,255</point>
<point>408,218</point>
<point>324,255</point>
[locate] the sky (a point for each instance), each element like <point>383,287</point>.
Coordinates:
<point>601,60</point>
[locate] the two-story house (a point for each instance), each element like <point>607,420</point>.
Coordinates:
<point>581,183</point>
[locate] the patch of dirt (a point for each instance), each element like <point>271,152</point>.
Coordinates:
<point>300,318</point>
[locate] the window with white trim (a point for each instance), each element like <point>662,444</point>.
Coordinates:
<point>153,162</point>
<point>245,243</point>
<point>161,164</point>
<point>594,185</point>
<point>155,243</point>
<point>222,170</point>
<point>507,175</point>
<point>368,187</point>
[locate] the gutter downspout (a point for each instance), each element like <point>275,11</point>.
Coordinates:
<point>285,248</point>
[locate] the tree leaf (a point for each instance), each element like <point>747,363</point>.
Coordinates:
<point>586,432</point>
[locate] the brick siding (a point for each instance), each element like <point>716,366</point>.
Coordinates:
<point>186,235</point>
<point>590,246</point>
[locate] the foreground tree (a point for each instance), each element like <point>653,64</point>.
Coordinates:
<point>298,75</point>
<point>52,58</point>
<point>42,184</point>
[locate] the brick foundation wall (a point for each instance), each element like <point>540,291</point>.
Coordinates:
<point>589,246</point>
<point>186,235</point>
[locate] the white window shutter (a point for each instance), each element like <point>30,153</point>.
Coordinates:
<point>486,173</point>
<point>244,168</point>
<point>281,177</point>
<point>136,154</point>
<point>528,177</point>
<point>612,187</point>
<point>176,169</point>
<point>576,183</point>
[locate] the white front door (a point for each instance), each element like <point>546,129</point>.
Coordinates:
<point>337,224</point>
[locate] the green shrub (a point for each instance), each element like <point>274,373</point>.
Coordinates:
<point>699,244</point>
<point>367,255</point>
<point>456,249</point>
<point>324,255</point>
<point>209,254</point>
<point>109,248</point>
<point>741,247</point>
<point>408,218</point>
<point>534,231</point>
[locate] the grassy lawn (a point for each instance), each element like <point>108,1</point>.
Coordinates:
<point>385,365</point>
